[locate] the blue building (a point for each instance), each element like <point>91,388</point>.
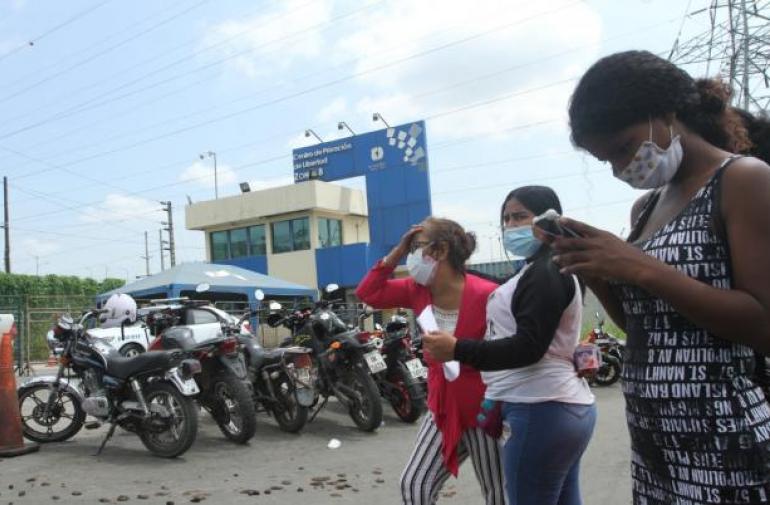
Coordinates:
<point>315,232</point>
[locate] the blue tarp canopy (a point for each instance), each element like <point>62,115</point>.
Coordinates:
<point>222,279</point>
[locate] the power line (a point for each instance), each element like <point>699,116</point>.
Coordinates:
<point>32,41</point>
<point>459,84</point>
<point>101,53</point>
<point>160,55</point>
<point>93,103</point>
<point>327,84</point>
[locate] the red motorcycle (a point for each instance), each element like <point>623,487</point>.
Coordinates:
<point>611,350</point>
<point>403,382</point>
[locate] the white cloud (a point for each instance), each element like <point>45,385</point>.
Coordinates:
<point>201,173</point>
<point>273,40</point>
<point>118,207</point>
<point>259,184</point>
<point>335,111</point>
<point>37,247</point>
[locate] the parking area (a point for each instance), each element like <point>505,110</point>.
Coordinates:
<point>278,468</point>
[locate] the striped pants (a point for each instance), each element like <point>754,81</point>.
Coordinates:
<point>425,474</point>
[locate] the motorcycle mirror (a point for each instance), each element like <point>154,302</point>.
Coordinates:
<point>259,295</point>
<point>202,288</point>
<point>275,306</point>
<point>331,288</point>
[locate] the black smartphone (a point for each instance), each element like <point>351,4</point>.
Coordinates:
<point>548,221</point>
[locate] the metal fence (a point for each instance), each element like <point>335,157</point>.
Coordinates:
<point>34,315</point>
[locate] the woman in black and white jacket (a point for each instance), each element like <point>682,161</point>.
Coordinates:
<point>533,326</point>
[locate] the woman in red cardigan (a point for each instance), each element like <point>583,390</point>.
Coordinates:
<point>437,251</point>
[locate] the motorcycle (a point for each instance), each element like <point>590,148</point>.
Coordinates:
<point>225,388</point>
<point>150,394</point>
<point>402,384</point>
<point>345,365</point>
<point>282,378</point>
<point>612,354</point>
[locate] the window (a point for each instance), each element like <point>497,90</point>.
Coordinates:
<point>282,237</point>
<point>329,232</point>
<point>257,245</point>
<point>220,247</point>
<point>292,235</point>
<point>239,243</point>
<point>199,316</point>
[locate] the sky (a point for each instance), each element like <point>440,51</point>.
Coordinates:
<point>106,105</point>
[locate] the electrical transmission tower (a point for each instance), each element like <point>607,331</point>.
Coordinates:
<point>736,46</point>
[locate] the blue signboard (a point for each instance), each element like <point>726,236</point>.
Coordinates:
<point>361,154</point>
<point>394,162</point>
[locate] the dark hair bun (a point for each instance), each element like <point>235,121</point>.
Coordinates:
<point>714,95</point>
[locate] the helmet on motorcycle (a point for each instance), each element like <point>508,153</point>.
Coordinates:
<point>119,308</point>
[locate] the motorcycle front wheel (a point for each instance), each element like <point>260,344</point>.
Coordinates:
<point>406,406</point>
<point>173,423</point>
<point>365,408</point>
<point>233,408</point>
<point>609,373</point>
<point>289,414</point>
<point>62,422</point>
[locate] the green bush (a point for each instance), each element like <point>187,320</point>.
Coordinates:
<point>36,301</point>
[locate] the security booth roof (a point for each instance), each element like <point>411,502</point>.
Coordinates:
<point>223,280</point>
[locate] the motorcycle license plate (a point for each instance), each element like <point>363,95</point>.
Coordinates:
<point>375,361</point>
<point>303,375</point>
<point>417,369</point>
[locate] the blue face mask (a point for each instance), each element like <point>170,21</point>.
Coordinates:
<point>520,241</point>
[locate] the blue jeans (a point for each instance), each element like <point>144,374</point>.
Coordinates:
<point>542,447</point>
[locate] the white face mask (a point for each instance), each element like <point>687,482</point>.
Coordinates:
<point>652,166</point>
<point>421,268</point>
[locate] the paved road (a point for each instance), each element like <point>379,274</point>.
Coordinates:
<point>279,464</point>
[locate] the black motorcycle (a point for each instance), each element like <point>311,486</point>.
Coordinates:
<point>282,379</point>
<point>345,365</point>
<point>150,394</point>
<point>403,382</point>
<point>225,388</point>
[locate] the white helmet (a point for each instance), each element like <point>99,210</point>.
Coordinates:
<point>120,308</point>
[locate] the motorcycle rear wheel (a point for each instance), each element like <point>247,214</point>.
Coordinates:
<point>35,398</point>
<point>609,373</point>
<point>183,428</point>
<point>406,407</point>
<point>289,414</point>
<point>365,411</point>
<point>233,408</point>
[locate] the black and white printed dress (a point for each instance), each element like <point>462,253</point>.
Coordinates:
<point>699,424</point>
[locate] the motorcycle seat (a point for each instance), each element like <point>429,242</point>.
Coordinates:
<point>123,368</point>
<point>264,356</point>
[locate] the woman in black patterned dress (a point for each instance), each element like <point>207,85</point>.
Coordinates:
<point>691,286</point>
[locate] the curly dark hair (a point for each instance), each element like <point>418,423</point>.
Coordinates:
<point>460,243</point>
<point>758,127</point>
<point>629,87</point>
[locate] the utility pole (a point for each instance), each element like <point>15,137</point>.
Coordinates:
<point>6,227</point>
<point>162,243</point>
<point>169,227</point>
<point>146,256</point>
